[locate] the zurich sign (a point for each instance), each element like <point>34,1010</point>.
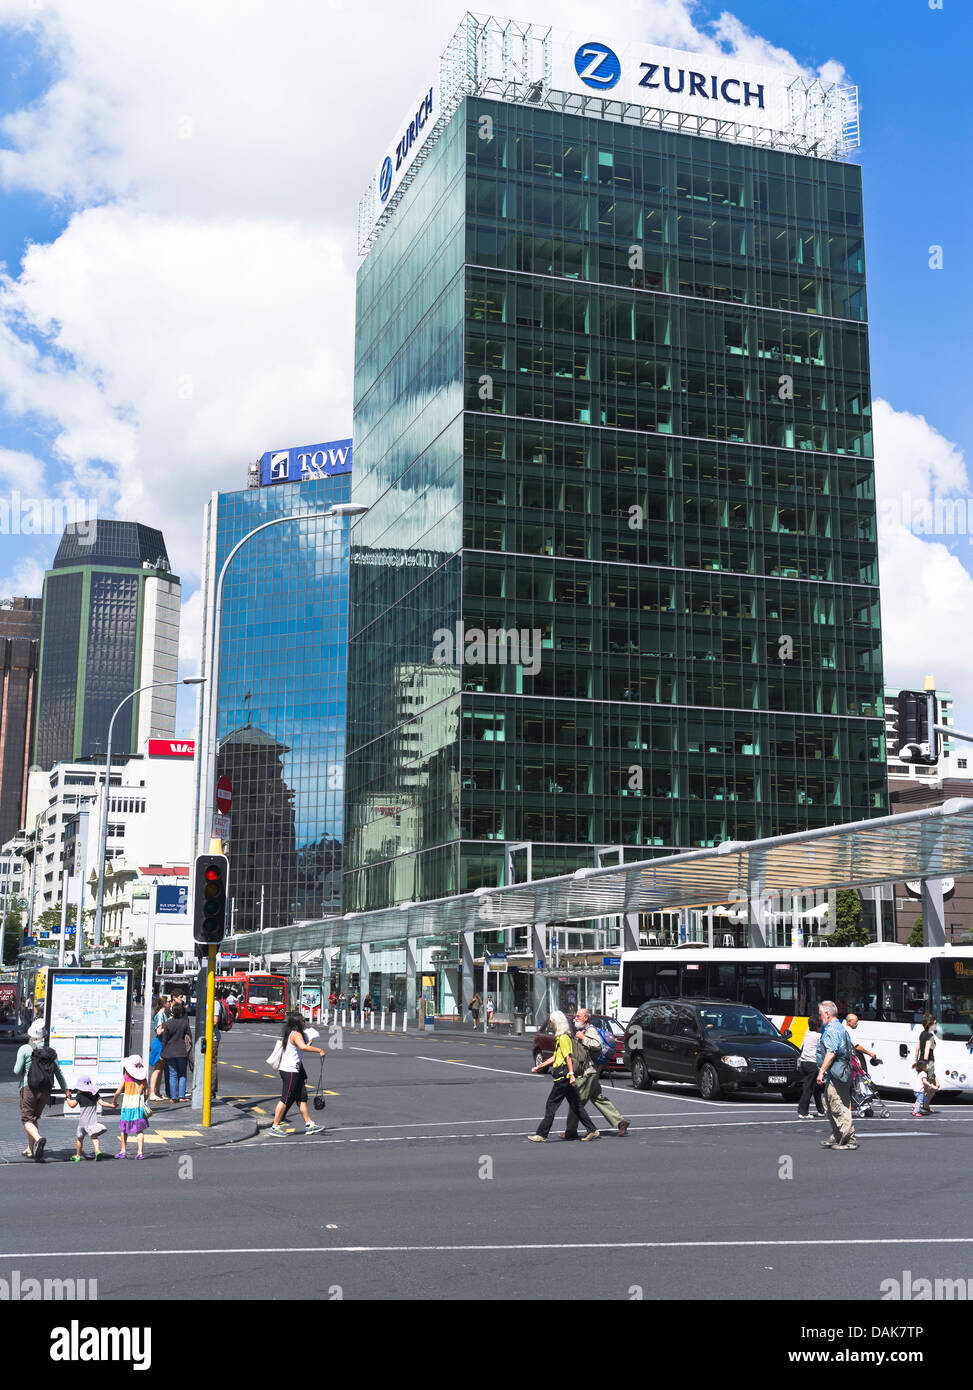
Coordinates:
<point>597,66</point>
<point>385,180</point>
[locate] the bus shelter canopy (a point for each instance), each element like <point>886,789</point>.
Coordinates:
<point>936,842</point>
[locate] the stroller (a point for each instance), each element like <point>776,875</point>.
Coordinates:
<point>865,1100</point>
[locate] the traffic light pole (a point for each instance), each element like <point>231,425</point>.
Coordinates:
<point>208,1035</point>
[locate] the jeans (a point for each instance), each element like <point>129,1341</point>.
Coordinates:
<point>810,1071</point>
<point>176,1069</point>
<point>589,1089</point>
<point>563,1090</point>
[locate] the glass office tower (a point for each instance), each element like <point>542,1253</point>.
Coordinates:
<point>110,626</point>
<point>281,716</point>
<point>612,396</point>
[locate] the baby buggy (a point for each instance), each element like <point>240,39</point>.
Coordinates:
<point>865,1100</point>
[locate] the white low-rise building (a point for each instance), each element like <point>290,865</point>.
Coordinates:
<point>149,837</point>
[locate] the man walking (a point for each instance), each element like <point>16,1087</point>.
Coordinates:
<point>588,1046</point>
<point>834,1073</point>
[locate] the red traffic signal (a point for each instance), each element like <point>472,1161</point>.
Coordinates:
<point>209,898</point>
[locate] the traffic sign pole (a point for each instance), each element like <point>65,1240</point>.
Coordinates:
<point>208,1035</point>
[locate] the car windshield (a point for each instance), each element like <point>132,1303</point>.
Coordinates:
<point>736,1021</point>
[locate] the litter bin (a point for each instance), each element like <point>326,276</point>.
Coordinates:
<point>519,1025</point>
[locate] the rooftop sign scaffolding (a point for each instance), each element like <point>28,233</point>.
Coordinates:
<point>633,82</point>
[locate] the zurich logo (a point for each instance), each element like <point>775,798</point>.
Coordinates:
<point>597,66</point>
<point>385,179</point>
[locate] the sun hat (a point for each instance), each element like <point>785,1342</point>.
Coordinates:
<point>37,1029</point>
<point>84,1082</point>
<point>134,1066</point>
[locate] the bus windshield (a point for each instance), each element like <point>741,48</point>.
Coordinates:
<point>732,1021</point>
<point>955,1003</point>
<point>266,992</point>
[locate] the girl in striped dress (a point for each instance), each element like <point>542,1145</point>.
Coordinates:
<point>135,1112</point>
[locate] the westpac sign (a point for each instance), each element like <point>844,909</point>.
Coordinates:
<point>306,461</point>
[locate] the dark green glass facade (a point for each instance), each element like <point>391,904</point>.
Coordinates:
<point>612,388</point>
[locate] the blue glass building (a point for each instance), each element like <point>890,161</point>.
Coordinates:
<point>281,697</point>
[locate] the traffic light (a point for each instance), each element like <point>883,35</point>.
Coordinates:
<point>209,898</point>
<point>918,711</point>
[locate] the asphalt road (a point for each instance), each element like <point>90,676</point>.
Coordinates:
<point>424,1186</point>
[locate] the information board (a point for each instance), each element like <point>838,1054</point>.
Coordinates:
<point>171,899</point>
<point>89,1016</point>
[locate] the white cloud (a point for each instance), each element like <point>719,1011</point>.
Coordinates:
<point>927,593</point>
<point>23,470</point>
<point>25,580</point>
<point>190,633</point>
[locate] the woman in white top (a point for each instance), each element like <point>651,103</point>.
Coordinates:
<point>293,1077</point>
<point>808,1066</point>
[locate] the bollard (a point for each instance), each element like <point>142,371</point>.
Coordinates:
<point>405,1019</point>
<point>343,1015</point>
<point>383,1020</point>
<point>371,1024</point>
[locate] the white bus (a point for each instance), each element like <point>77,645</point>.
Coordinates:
<point>888,986</point>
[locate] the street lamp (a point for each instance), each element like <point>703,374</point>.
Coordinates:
<point>335,512</point>
<point>103,836</point>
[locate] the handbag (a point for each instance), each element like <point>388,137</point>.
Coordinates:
<point>275,1058</point>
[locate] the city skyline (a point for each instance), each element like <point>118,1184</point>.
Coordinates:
<point>99,429</point>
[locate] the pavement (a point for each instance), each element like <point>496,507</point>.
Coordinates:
<point>424,1186</point>
<point>172,1128</point>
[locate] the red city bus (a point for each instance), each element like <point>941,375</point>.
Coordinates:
<point>260,997</point>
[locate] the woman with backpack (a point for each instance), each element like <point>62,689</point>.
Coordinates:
<point>37,1063</point>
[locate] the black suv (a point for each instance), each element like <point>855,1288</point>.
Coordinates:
<point>716,1045</point>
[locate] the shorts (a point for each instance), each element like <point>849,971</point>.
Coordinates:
<point>32,1104</point>
<point>293,1090</point>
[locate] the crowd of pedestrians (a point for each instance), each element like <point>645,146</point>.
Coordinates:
<point>833,1066</point>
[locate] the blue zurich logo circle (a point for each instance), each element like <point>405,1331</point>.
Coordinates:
<point>597,66</point>
<point>385,179</point>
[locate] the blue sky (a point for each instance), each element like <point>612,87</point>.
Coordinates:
<point>178,196</point>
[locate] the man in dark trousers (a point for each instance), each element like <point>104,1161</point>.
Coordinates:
<point>587,1046</point>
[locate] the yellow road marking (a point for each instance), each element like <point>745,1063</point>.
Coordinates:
<point>254,1073</point>
<point>260,1110</point>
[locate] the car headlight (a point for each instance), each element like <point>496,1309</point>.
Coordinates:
<point>737,1062</point>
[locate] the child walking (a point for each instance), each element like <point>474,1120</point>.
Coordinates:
<point>86,1102</point>
<point>135,1112</point>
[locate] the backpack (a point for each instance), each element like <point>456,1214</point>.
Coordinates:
<point>225,1018</point>
<point>607,1045</point>
<point>841,1067</point>
<point>40,1076</point>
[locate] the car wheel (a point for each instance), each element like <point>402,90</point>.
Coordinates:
<point>641,1079</point>
<point>538,1058</point>
<point>709,1082</point>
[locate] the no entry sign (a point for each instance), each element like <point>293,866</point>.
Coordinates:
<point>224,796</point>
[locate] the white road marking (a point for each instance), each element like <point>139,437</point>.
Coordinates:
<point>382,1051</point>
<point>460,1249</point>
<point>500,1071</point>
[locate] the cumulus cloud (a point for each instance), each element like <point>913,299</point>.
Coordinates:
<point>927,593</point>
<point>26,580</point>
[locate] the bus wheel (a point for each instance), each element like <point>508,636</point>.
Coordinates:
<point>641,1079</point>
<point>709,1082</point>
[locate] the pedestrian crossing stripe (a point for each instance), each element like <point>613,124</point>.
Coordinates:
<point>162,1137</point>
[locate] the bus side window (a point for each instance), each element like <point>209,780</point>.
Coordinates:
<point>667,982</point>
<point>722,982</point>
<point>753,986</point>
<point>638,983</point>
<point>817,985</point>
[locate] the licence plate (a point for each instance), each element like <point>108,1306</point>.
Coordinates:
<point>777,1080</point>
